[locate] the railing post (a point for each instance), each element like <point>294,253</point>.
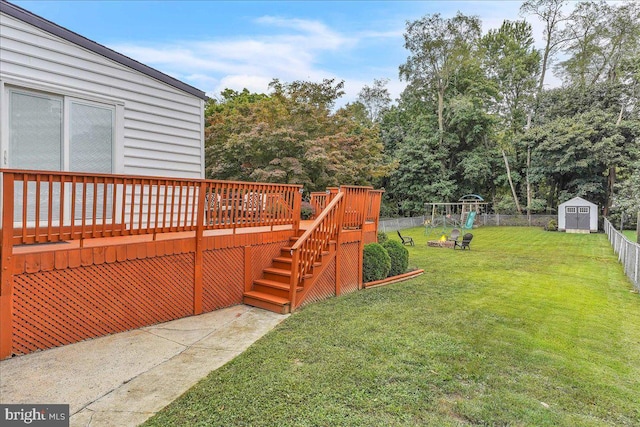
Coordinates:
<point>6,270</point>
<point>198,257</point>
<point>295,272</point>
<point>297,204</point>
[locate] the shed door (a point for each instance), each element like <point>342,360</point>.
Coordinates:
<point>577,218</point>
<point>583,218</point>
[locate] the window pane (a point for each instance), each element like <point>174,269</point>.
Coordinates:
<point>35,131</point>
<point>91,139</point>
<point>90,150</point>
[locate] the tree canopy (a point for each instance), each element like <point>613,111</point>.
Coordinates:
<point>476,116</point>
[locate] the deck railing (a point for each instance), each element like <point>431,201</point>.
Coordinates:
<point>356,208</point>
<point>49,207</point>
<point>308,250</point>
<point>373,208</point>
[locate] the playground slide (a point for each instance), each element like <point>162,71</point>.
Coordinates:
<point>470,219</point>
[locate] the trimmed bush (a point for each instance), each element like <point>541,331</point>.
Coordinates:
<point>306,210</point>
<point>382,237</point>
<point>376,263</point>
<point>399,257</point>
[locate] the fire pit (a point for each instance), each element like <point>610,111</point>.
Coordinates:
<point>441,243</point>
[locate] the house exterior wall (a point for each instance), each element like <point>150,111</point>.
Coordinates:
<point>578,202</point>
<point>159,129</point>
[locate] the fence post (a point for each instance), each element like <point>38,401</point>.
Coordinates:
<point>6,268</point>
<point>637,267</point>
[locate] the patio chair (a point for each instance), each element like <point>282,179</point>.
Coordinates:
<point>453,237</point>
<point>406,240</point>
<point>466,240</point>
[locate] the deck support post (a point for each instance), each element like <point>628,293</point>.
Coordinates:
<point>248,263</point>
<point>6,268</point>
<point>198,256</point>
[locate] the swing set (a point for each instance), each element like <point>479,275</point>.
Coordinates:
<point>444,216</point>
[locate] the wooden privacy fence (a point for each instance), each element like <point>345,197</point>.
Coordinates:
<point>628,253</point>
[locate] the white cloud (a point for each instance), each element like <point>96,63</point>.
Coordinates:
<point>241,62</point>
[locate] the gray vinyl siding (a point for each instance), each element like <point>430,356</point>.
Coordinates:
<point>160,131</point>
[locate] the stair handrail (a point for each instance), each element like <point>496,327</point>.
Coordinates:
<point>309,247</point>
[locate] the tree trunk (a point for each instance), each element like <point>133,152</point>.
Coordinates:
<point>441,113</point>
<point>545,59</point>
<point>513,189</point>
<point>611,179</point>
<point>527,174</point>
<point>638,228</point>
<point>528,186</point>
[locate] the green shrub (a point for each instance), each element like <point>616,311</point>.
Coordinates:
<point>306,210</point>
<point>376,263</point>
<point>382,237</point>
<point>399,257</point>
<point>552,225</point>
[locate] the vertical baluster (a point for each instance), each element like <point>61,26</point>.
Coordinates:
<point>73,197</point>
<point>83,231</point>
<point>94,214</point>
<point>149,201</point>
<point>164,203</point>
<point>114,197</point>
<point>105,191</point>
<point>37,216</point>
<point>63,185</point>
<point>178,222</point>
<point>132,205</point>
<point>187,204</point>
<point>50,208</point>
<point>25,186</point>
<point>141,206</point>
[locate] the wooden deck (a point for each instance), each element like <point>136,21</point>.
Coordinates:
<point>88,255</point>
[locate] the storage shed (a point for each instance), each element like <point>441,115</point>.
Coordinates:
<point>578,216</point>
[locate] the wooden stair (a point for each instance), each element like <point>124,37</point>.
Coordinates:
<point>271,291</point>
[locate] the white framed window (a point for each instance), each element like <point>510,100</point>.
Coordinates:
<point>59,132</point>
<point>570,210</point>
<point>583,210</point>
<point>54,132</point>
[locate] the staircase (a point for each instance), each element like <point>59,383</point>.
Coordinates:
<point>273,290</point>
<point>284,285</point>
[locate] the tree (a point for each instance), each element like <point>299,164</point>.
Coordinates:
<point>599,38</point>
<point>550,13</point>
<point>512,62</point>
<point>376,99</point>
<point>439,49</point>
<point>291,136</point>
<point>627,199</point>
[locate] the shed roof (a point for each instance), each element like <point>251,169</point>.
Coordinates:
<point>579,201</point>
<point>55,29</point>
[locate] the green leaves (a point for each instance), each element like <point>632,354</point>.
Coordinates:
<point>291,136</point>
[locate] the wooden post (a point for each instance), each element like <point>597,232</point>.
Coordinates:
<point>248,272</point>
<point>6,268</point>
<point>198,256</point>
<point>338,264</point>
<point>297,204</point>
<point>295,271</point>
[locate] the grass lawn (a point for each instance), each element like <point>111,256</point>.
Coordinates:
<point>529,328</point>
<point>630,234</point>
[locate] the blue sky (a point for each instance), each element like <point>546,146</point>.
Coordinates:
<point>214,45</point>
